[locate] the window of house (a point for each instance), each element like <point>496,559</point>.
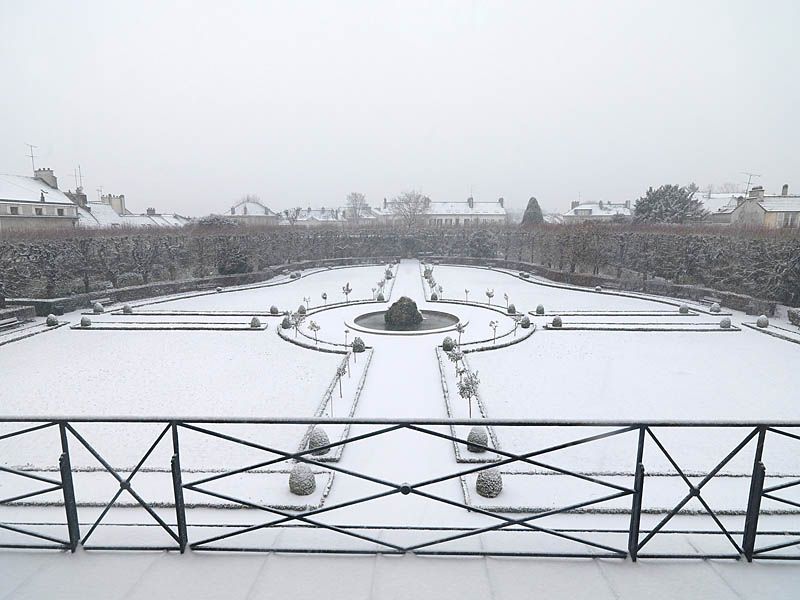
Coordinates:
<point>38,211</point>
<point>60,212</point>
<point>14,210</point>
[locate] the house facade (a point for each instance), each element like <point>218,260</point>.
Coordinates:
<point>604,212</point>
<point>449,214</point>
<point>770,211</point>
<point>35,203</point>
<point>251,211</point>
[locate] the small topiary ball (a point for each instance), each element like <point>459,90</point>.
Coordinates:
<point>525,322</point>
<point>294,275</point>
<point>557,322</point>
<point>358,345</point>
<point>540,309</point>
<point>318,439</point>
<point>301,309</point>
<point>524,275</point>
<point>434,296</point>
<point>219,289</point>
<point>683,309</point>
<point>301,480</point>
<point>381,297</point>
<point>512,310</point>
<point>489,483</point>
<point>98,308</point>
<point>127,309</point>
<point>715,308</point>
<point>86,321</point>
<point>255,322</point>
<point>763,321</point>
<point>273,310</point>
<point>477,437</point>
<point>725,323</point>
<point>286,323</point>
<point>598,288</point>
<point>448,344</point>
<point>52,320</point>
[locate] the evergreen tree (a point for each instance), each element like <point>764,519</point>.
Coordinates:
<point>533,214</point>
<point>668,204</point>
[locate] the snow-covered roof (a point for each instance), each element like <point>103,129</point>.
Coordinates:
<point>599,209</point>
<point>463,208</point>
<point>321,214</point>
<point>251,207</point>
<point>718,202</point>
<point>103,215</point>
<point>553,219</point>
<point>19,188</point>
<point>781,203</point>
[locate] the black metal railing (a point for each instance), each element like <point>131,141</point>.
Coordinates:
<point>617,532</point>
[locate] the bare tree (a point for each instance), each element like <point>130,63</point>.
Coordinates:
<point>410,207</point>
<point>357,205</point>
<point>292,214</point>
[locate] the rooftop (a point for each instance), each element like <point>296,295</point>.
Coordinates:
<point>21,188</point>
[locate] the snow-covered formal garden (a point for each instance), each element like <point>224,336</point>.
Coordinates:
<point>303,418</point>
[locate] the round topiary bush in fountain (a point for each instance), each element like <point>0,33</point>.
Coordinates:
<point>477,437</point>
<point>127,309</point>
<point>52,320</point>
<point>525,322</point>
<point>489,483</point>
<point>683,309</point>
<point>512,310</point>
<point>715,308</point>
<point>286,323</point>
<point>725,323</point>
<point>381,297</point>
<point>301,480</point>
<point>540,309</point>
<point>318,439</point>
<point>86,321</point>
<point>358,345</point>
<point>255,322</point>
<point>301,310</point>
<point>557,322</point>
<point>448,344</point>
<point>273,310</point>
<point>98,308</point>
<point>763,321</point>
<point>403,314</point>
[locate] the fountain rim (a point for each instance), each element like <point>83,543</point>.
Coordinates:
<point>351,323</point>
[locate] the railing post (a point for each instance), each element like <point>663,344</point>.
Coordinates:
<point>177,487</point>
<point>67,487</point>
<point>636,503</point>
<point>754,500</point>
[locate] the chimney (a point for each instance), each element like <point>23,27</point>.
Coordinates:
<point>471,202</point>
<point>385,203</point>
<point>151,211</point>
<point>78,197</point>
<point>785,189</point>
<point>501,201</point>
<point>46,175</point>
<point>757,192</point>
<point>600,204</point>
<point>627,203</point>
<point>575,204</point>
<point>233,210</point>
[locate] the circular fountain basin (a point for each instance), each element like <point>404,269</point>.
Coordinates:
<point>433,321</point>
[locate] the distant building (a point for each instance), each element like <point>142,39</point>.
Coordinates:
<point>605,212</point>
<point>761,210</point>
<point>251,211</point>
<point>35,203</point>
<point>450,214</point>
<point>110,211</point>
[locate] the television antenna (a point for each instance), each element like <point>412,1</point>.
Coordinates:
<point>32,155</point>
<point>749,179</point>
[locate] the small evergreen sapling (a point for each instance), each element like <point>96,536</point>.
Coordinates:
<point>490,295</point>
<point>314,327</point>
<point>468,387</point>
<point>493,325</point>
<point>346,290</point>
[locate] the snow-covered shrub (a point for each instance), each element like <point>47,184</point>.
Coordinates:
<point>715,308</point>
<point>557,321</point>
<point>434,296</point>
<point>98,308</point>
<point>448,344</point>
<point>512,310</point>
<point>318,439</point>
<point>52,320</point>
<point>255,322</point>
<point>525,322</point>
<point>380,297</point>
<point>358,345</point>
<point>725,323</point>
<point>477,437</point>
<point>219,289</point>
<point>598,288</point>
<point>763,321</point>
<point>489,483</point>
<point>127,309</point>
<point>294,275</point>
<point>301,309</point>
<point>524,275</point>
<point>273,310</point>
<point>286,323</point>
<point>389,274</point>
<point>301,480</point>
<point>86,321</point>
<point>683,309</point>
<point>540,309</point>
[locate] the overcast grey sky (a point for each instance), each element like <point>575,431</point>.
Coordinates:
<point>186,106</point>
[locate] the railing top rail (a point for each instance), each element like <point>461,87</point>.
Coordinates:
<point>398,421</point>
